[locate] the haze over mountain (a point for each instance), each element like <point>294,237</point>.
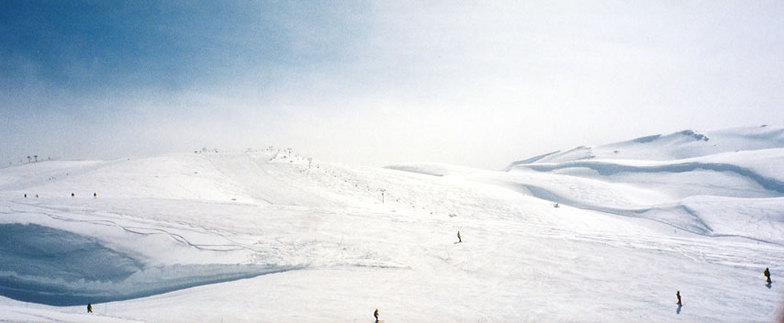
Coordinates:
<point>374,82</point>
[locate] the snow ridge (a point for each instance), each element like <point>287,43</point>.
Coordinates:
<point>607,169</point>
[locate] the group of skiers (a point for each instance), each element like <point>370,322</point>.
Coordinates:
<point>95,195</point>
<point>375,313</point>
<point>460,239</point>
<point>767,280</point>
<point>677,293</point>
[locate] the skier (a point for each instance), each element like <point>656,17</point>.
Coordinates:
<point>678,294</point>
<point>459,239</point>
<point>89,308</point>
<point>73,195</point>
<point>556,205</point>
<point>375,314</point>
<point>25,195</point>
<point>767,274</point>
<point>95,195</point>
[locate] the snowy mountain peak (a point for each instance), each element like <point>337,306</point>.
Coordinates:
<point>677,145</point>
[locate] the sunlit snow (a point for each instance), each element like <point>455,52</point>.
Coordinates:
<point>270,235</point>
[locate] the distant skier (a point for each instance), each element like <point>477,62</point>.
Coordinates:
<point>767,275</point>
<point>678,294</point>
<point>89,308</point>
<point>375,314</point>
<point>556,205</point>
<point>73,195</point>
<point>459,238</point>
<point>25,195</point>
<point>95,195</point>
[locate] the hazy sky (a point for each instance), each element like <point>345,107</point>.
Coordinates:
<point>471,83</point>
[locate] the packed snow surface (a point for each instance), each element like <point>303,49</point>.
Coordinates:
<point>606,233</point>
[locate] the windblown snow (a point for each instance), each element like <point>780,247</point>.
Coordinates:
<point>268,235</point>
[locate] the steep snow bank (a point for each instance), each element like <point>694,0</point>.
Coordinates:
<point>50,266</point>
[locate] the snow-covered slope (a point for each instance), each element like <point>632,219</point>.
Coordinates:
<point>271,236</point>
<point>679,145</point>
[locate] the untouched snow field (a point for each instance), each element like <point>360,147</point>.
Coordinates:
<point>271,236</point>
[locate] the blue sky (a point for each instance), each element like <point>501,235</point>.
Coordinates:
<point>471,83</point>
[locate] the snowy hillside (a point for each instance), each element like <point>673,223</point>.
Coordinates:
<point>268,235</point>
<point>679,145</point>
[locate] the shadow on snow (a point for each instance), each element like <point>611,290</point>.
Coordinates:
<point>55,267</point>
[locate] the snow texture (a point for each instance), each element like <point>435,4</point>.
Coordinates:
<point>268,235</point>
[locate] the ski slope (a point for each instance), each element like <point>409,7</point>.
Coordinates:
<point>271,236</point>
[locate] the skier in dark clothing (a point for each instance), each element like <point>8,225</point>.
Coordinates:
<point>459,238</point>
<point>767,275</point>
<point>375,314</point>
<point>678,294</point>
<point>89,308</point>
